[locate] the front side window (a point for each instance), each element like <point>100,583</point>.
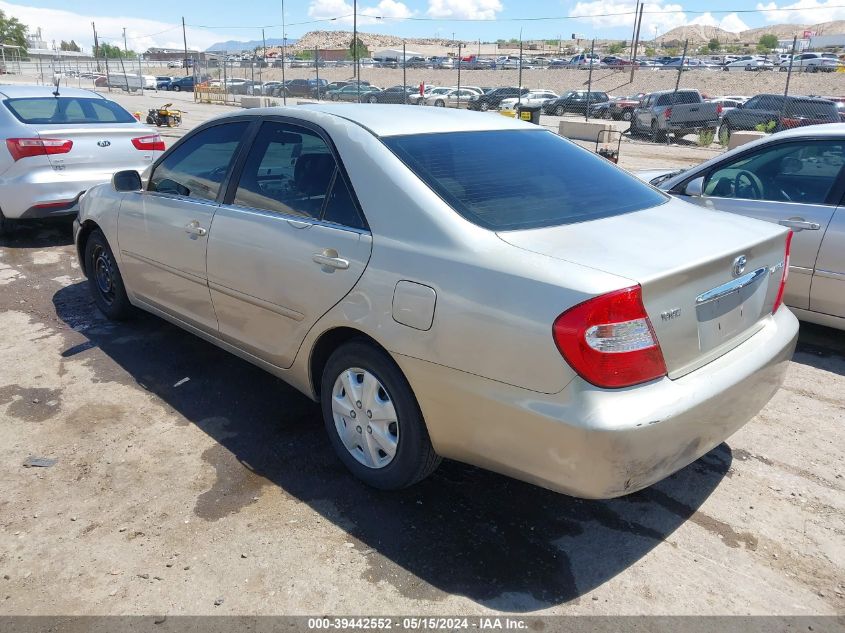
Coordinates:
<point>466,170</point>
<point>197,167</point>
<point>801,172</point>
<point>291,170</point>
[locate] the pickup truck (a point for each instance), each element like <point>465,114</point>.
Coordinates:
<point>678,112</point>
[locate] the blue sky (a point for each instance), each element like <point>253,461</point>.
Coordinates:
<point>210,21</point>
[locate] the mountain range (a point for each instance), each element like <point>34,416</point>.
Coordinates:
<point>234,46</point>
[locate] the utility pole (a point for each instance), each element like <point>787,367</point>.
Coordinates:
<point>637,41</point>
<point>459,75</point>
<point>590,80</point>
<point>284,56</point>
<point>404,73</point>
<point>519,96</point>
<point>681,67</point>
<point>355,43</point>
<point>96,47</point>
<point>125,48</point>
<point>185,44</point>
<point>634,33</point>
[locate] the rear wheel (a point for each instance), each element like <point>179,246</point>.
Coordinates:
<point>724,134</point>
<point>177,88</point>
<point>484,106</point>
<point>104,278</point>
<point>559,110</point>
<point>440,103</point>
<point>656,134</point>
<point>373,419</point>
<point>627,115</point>
<point>373,99</point>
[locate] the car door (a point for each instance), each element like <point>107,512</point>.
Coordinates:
<point>163,231</point>
<point>643,113</point>
<point>827,293</point>
<point>794,183</point>
<point>289,243</point>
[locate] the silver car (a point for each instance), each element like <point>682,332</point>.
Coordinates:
<point>440,302</point>
<point>58,146</point>
<point>796,179</point>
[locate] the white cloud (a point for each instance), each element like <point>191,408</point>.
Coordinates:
<point>731,22</point>
<point>464,9</point>
<point>806,11</point>
<point>605,14</point>
<point>342,10</point>
<point>58,24</point>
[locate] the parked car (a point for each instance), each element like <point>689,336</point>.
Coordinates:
<point>600,110</point>
<point>678,112</point>
<point>622,108</point>
<point>402,324</point>
<point>270,87</point>
<point>794,178</point>
<point>182,84</point>
<point>584,61</point>
<point>300,87</point>
<point>749,63</point>
<point>493,98</point>
<point>727,103</point>
<point>575,101</point>
<point>531,98</point>
<point>58,147</point>
<point>352,92</point>
<point>813,62</point>
<point>775,112</point>
<point>163,82</point>
<point>614,61</point>
<point>452,98</point>
<point>394,94</point>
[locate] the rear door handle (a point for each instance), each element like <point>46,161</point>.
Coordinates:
<point>193,227</point>
<point>799,224</point>
<point>329,259</point>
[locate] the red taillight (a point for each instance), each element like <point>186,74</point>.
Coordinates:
<point>609,340</point>
<point>719,109</point>
<point>782,287</point>
<point>788,122</point>
<point>149,143</point>
<point>667,113</point>
<point>26,147</point>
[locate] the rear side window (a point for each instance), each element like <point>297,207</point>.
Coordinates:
<point>59,110</point>
<point>811,108</point>
<point>552,182</point>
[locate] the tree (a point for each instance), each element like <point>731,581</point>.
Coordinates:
<point>115,52</point>
<point>714,45</point>
<point>70,46</point>
<point>650,51</point>
<point>767,43</point>
<point>360,47</point>
<point>615,48</point>
<point>12,31</point>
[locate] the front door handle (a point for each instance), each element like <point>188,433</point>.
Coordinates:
<point>799,224</point>
<point>193,227</point>
<point>328,258</point>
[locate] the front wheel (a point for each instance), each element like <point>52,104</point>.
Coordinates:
<point>484,106</point>
<point>104,278</point>
<point>440,103</point>
<point>724,134</point>
<point>627,115</point>
<point>373,420</point>
<point>177,89</point>
<point>373,99</point>
<point>559,111</point>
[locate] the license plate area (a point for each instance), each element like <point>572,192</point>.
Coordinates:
<point>730,309</point>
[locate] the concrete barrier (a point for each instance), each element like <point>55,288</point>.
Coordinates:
<point>741,138</point>
<point>258,102</point>
<point>587,130</point>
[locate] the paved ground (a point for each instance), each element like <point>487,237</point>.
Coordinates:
<point>186,476</point>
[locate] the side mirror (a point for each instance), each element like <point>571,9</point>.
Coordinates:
<point>695,187</point>
<point>127,180</point>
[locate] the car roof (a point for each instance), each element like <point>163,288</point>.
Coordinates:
<point>394,120</point>
<point>16,91</point>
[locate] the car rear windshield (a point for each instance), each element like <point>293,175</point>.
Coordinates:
<point>811,108</point>
<point>59,110</point>
<point>521,179</point>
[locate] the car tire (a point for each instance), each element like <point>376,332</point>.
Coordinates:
<point>6,225</point>
<point>358,363</point>
<point>484,106</point>
<point>177,88</point>
<point>607,115</point>
<point>440,103</point>
<point>104,278</point>
<point>657,135</point>
<point>373,99</point>
<point>559,110</point>
<point>724,134</point>
<point>627,115</point>
<point>333,97</point>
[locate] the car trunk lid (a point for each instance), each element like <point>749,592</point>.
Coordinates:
<point>708,279</point>
<point>99,147</point>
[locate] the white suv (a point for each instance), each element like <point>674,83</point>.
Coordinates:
<point>813,62</point>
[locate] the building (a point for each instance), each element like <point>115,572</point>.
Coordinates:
<point>827,41</point>
<point>172,54</point>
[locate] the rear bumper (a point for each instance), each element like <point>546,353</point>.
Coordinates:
<point>43,192</point>
<point>596,443</point>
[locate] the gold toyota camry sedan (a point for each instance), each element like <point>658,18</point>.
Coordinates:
<point>548,316</point>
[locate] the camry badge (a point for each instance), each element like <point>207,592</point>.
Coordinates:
<point>103,143</point>
<point>739,265</point>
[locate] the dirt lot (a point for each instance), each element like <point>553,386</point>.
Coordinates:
<point>186,476</point>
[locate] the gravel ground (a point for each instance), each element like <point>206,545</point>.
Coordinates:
<point>186,476</point>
